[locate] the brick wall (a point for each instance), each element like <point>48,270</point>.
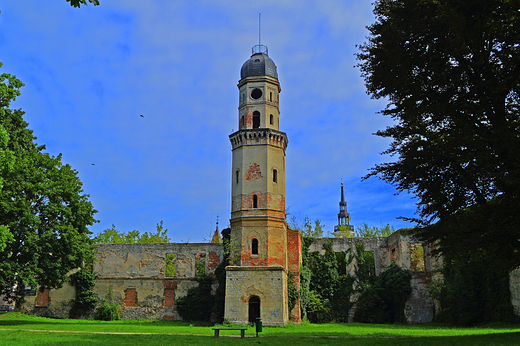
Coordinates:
<point>130,297</point>
<point>42,298</point>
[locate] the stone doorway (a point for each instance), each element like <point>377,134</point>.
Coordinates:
<point>254,308</point>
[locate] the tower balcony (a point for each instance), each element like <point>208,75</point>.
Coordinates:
<point>261,136</point>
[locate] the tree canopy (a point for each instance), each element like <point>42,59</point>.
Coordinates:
<point>365,230</point>
<point>77,3</point>
<point>113,236</point>
<point>42,205</point>
<point>449,70</point>
<point>305,226</point>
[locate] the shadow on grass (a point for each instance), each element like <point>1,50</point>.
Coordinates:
<point>79,339</point>
<point>17,319</point>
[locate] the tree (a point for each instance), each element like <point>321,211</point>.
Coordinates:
<point>113,236</point>
<point>449,70</point>
<point>6,163</point>
<point>43,206</point>
<point>365,231</point>
<point>305,227</point>
<point>77,3</point>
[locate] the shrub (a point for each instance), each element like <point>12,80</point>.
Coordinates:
<point>318,309</point>
<point>108,311</point>
<point>474,291</point>
<point>385,299</point>
<point>197,304</point>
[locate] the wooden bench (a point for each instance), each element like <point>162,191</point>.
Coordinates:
<point>242,331</point>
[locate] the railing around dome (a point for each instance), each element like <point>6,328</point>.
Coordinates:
<point>260,49</point>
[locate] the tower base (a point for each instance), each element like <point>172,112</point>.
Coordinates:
<point>256,292</point>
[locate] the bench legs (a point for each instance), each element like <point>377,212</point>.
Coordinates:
<point>242,333</point>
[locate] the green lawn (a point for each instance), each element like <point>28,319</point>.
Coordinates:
<point>17,329</point>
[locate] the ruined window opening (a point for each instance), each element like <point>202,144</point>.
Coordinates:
<point>255,201</point>
<point>254,247</point>
<point>417,257</point>
<point>237,176</point>
<point>130,297</point>
<point>200,264</point>
<point>369,263</point>
<point>256,93</point>
<point>256,119</point>
<point>171,258</point>
<point>275,176</point>
<point>271,118</point>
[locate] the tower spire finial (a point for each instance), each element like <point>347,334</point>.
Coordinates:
<point>259,27</point>
<point>259,48</point>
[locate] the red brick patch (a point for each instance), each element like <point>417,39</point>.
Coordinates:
<point>253,173</point>
<point>42,298</point>
<point>130,297</point>
<point>213,262</point>
<point>169,297</point>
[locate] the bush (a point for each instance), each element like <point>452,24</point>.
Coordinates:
<point>197,304</point>
<point>108,311</point>
<point>385,299</point>
<point>341,299</point>
<point>318,309</point>
<point>474,291</point>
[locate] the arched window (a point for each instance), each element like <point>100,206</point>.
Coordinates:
<point>243,121</point>
<point>275,176</point>
<point>237,175</point>
<point>256,119</point>
<point>271,119</point>
<point>255,201</point>
<point>271,96</point>
<point>254,247</point>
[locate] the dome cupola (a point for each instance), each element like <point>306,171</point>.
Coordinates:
<point>259,64</point>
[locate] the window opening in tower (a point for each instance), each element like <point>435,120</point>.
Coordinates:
<point>256,119</point>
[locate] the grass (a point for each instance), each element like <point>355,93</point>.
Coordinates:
<point>18,329</point>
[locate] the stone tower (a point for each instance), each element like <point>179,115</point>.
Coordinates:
<point>263,250</point>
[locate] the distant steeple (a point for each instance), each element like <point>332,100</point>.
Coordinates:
<point>343,216</point>
<point>216,236</point>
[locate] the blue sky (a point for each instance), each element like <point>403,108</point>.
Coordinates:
<point>90,73</point>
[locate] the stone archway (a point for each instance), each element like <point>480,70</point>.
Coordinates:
<point>254,308</point>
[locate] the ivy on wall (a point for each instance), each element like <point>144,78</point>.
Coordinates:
<point>85,301</point>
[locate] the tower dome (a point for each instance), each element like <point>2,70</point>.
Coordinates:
<point>260,64</point>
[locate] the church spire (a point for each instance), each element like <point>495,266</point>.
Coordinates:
<point>216,236</point>
<point>343,215</point>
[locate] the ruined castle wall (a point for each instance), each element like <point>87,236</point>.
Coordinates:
<point>52,303</point>
<point>398,249</point>
<point>136,274</point>
<point>149,260</point>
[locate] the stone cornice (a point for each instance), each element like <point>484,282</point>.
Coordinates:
<point>267,79</point>
<point>264,136</point>
<point>274,267</point>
